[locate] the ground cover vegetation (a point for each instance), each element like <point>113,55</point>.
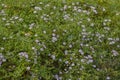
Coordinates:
<point>59,39</point>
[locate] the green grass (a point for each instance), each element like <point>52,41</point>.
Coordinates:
<point>57,40</point>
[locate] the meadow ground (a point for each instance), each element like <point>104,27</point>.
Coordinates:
<point>59,39</point>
